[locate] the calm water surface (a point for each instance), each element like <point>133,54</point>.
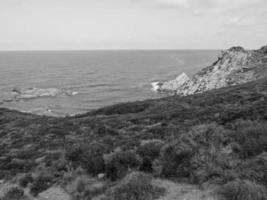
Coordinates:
<point>90,79</point>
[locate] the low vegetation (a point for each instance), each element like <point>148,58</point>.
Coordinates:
<point>218,137</point>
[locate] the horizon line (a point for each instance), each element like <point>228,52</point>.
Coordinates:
<point>160,49</point>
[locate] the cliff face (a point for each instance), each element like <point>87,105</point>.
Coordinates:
<point>234,66</point>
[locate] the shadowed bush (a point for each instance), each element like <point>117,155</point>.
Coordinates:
<point>89,156</point>
<point>251,136</point>
<point>119,163</point>
<point>149,152</point>
<point>25,180</point>
<point>41,183</point>
<point>150,149</point>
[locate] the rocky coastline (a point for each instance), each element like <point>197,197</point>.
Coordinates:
<point>233,66</point>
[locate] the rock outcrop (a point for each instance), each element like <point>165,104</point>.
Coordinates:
<point>234,66</point>
<point>32,93</point>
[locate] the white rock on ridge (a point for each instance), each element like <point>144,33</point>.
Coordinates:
<point>234,66</point>
<point>173,85</point>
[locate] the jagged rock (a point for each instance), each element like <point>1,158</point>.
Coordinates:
<point>233,66</point>
<point>174,84</point>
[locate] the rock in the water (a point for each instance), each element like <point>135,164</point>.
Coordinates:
<point>234,66</point>
<point>30,93</point>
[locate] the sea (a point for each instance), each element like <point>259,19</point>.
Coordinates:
<point>61,83</point>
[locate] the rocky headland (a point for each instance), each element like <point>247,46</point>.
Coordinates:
<point>233,66</point>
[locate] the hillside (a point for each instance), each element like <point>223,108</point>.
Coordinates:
<point>233,66</point>
<point>215,138</point>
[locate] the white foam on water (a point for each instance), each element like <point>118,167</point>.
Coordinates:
<point>155,86</point>
<point>31,93</point>
<point>74,93</point>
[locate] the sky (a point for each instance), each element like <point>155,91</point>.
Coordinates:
<point>132,24</point>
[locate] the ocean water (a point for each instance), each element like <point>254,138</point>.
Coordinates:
<point>69,82</point>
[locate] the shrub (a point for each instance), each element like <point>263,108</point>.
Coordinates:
<point>14,193</point>
<point>242,190</point>
<point>41,183</point>
<point>254,169</point>
<point>135,186</point>
<point>251,136</point>
<point>25,180</point>
<point>175,154</point>
<point>89,156</point>
<point>150,150</point>
<point>146,165</point>
<point>119,164</point>
<point>197,155</point>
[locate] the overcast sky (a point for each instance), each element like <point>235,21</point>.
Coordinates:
<point>132,24</point>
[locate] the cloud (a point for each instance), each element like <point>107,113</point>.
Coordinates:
<point>201,7</point>
<point>239,21</point>
<point>173,3</point>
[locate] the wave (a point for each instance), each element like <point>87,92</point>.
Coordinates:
<point>155,86</point>
<point>98,85</point>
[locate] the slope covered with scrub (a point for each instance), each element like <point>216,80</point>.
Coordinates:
<point>218,137</point>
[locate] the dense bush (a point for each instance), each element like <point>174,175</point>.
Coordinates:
<point>197,155</point>
<point>14,193</point>
<point>25,180</point>
<point>242,190</point>
<point>135,186</point>
<point>89,156</point>
<point>251,137</point>
<point>150,149</point>
<point>254,169</point>
<point>175,154</point>
<point>119,163</point>
<point>41,183</point>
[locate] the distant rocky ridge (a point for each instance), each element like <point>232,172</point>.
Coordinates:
<point>233,66</point>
